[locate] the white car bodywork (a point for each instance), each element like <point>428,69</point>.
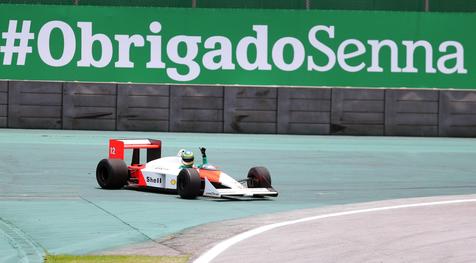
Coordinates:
<point>162,173</point>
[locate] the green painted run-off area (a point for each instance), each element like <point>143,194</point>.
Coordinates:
<point>49,198</point>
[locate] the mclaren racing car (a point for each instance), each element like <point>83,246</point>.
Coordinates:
<point>170,173</point>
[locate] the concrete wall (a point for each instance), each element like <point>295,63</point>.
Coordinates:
<point>3,104</point>
<point>35,105</point>
<point>358,111</point>
<point>250,110</point>
<point>143,107</point>
<point>324,111</point>
<point>196,109</point>
<point>304,111</point>
<point>457,113</point>
<point>89,106</point>
<point>411,112</point>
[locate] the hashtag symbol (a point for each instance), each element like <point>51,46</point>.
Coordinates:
<point>11,37</point>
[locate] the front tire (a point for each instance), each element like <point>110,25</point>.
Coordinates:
<point>259,177</point>
<point>112,173</point>
<point>188,183</point>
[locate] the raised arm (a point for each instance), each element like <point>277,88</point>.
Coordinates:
<point>204,155</point>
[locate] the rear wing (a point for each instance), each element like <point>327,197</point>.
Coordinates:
<point>117,147</point>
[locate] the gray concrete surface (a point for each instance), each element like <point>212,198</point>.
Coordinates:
<point>439,233</point>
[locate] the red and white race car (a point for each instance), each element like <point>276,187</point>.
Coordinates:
<point>167,173</point>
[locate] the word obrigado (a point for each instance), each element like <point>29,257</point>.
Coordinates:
<point>219,53</point>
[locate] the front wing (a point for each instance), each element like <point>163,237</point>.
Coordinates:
<point>211,191</point>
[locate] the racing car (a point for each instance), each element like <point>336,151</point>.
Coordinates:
<point>169,173</point>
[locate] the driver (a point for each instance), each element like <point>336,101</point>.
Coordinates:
<point>187,158</point>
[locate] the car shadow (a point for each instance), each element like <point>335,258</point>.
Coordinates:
<point>151,190</point>
<point>235,199</point>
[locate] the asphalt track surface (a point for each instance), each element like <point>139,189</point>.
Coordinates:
<point>49,199</point>
<point>407,230</point>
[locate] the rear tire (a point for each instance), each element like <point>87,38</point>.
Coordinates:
<point>188,183</point>
<point>112,173</point>
<point>259,177</point>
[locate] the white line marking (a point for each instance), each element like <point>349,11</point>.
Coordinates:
<point>222,246</point>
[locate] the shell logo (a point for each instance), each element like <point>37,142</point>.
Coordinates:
<point>173,182</point>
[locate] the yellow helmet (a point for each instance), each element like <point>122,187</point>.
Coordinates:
<point>187,157</point>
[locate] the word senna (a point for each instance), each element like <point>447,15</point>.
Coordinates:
<point>186,55</point>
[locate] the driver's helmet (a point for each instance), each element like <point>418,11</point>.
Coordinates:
<point>187,157</point>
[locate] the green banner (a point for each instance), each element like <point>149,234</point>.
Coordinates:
<point>238,47</point>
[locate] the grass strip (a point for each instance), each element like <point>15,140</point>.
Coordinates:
<point>115,259</point>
